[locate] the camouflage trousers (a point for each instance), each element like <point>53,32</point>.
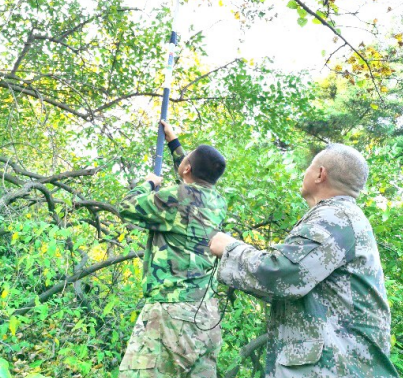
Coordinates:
<point>166,343</point>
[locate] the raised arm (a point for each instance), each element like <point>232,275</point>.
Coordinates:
<point>174,145</point>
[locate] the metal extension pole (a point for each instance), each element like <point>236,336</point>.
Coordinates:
<point>167,89</point>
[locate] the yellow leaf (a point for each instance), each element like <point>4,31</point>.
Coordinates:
<point>121,237</point>
<point>237,15</point>
<point>29,216</point>
<point>392,340</point>
<point>384,89</point>
<point>374,106</point>
<point>15,236</point>
<point>56,341</point>
<point>133,316</point>
<point>399,37</point>
<point>220,3</point>
<point>145,158</point>
<point>13,325</point>
<point>5,293</point>
<point>382,190</point>
<point>44,248</point>
<point>338,68</point>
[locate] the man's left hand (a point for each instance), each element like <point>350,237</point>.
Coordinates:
<point>219,242</point>
<point>154,178</point>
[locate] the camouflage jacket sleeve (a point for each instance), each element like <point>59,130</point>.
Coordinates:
<point>178,153</point>
<point>310,253</point>
<point>151,210</point>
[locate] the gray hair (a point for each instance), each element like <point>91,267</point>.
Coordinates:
<point>346,167</point>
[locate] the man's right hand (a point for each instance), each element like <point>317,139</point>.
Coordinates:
<point>169,132</point>
<point>218,243</point>
<point>154,178</point>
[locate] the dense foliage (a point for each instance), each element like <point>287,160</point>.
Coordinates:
<point>80,91</point>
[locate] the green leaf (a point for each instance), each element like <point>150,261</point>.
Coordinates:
<point>4,372</point>
<point>302,21</point>
<point>302,12</point>
<point>108,308</point>
<point>36,363</point>
<point>321,14</point>
<point>292,4</point>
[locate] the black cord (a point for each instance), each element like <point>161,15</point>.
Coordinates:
<point>215,266</point>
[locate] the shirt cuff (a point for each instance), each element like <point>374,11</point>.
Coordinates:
<point>152,185</point>
<point>174,144</point>
<point>145,187</point>
<point>232,246</point>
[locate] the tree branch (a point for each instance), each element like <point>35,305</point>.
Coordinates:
<point>325,23</point>
<point>12,179</point>
<point>33,93</point>
<point>99,206</point>
<point>186,87</point>
<point>75,277</point>
<point>55,40</point>
<point>51,179</point>
<point>24,52</point>
<point>11,197</point>
<point>246,351</point>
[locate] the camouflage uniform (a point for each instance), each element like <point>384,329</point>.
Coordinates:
<point>177,271</point>
<point>329,312</point>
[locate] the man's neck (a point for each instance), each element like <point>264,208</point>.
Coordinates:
<point>324,195</point>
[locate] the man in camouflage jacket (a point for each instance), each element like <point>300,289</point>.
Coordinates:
<point>176,333</point>
<point>329,311</point>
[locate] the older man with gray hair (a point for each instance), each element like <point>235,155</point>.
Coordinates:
<point>329,312</point>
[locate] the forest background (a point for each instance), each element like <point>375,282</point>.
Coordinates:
<point>80,93</point>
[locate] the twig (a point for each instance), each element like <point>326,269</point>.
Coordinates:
<point>325,23</point>
<point>75,277</point>
<point>24,52</point>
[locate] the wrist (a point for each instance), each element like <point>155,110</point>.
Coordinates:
<point>152,184</point>
<point>173,144</point>
<point>170,137</point>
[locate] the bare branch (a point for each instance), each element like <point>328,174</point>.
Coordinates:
<point>334,52</point>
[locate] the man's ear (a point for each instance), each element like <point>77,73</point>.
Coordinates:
<point>322,175</point>
<point>187,169</point>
